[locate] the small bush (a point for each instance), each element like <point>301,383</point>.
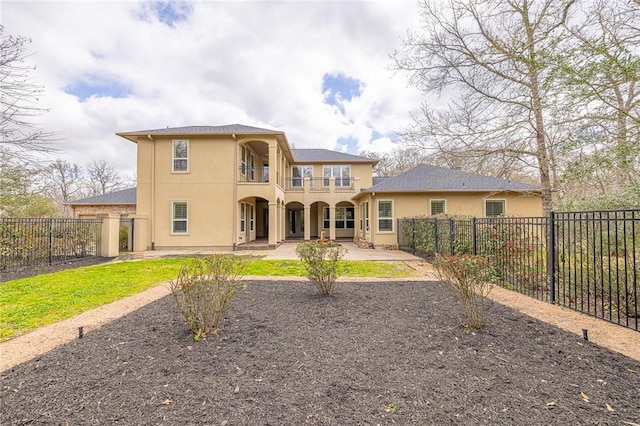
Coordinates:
<point>321,260</point>
<point>205,289</point>
<point>471,278</point>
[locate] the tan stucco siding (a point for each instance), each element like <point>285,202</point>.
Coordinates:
<point>207,187</point>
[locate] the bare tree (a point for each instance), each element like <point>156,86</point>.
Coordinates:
<point>102,178</point>
<point>18,101</point>
<point>492,59</point>
<point>62,182</point>
<point>395,162</point>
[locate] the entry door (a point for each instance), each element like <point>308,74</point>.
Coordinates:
<point>296,223</point>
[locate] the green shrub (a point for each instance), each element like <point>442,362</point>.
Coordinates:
<point>205,289</point>
<point>123,237</point>
<point>471,278</point>
<point>321,260</point>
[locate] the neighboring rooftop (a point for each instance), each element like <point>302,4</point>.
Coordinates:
<point>324,155</point>
<point>427,178</point>
<point>125,196</point>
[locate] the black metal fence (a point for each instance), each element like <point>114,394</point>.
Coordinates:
<point>587,261</point>
<point>28,242</point>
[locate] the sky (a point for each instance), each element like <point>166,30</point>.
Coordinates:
<point>319,71</point>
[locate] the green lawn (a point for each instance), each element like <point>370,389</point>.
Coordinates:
<point>29,303</point>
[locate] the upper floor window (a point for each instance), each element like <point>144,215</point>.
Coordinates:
<point>341,173</point>
<point>181,156</point>
<point>494,207</point>
<point>437,207</point>
<point>298,173</point>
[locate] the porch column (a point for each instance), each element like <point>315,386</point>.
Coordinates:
<point>283,223</point>
<point>307,223</point>
<point>332,222</point>
<point>273,224</point>
<point>273,164</point>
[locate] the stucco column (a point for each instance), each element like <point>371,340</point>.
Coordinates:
<point>283,222</point>
<point>273,164</point>
<point>273,223</point>
<point>307,222</point>
<point>332,222</point>
<point>141,241</point>
<point>109,238</point>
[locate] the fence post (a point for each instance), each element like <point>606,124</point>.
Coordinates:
<point>452,237</point>
<point>51,222</point>
<point>551,253</point>
<point>474,237</point>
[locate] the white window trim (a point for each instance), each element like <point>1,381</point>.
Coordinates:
<point>174,158</point>
<point>243,217</point>
<point>345,220</point>
<point>301,178</point>
<point>251,217</point>
<point>336,177</point>
<point>173,219</point>
<point>444,207</point>
<point>393,215</point>
<point>504,202</point>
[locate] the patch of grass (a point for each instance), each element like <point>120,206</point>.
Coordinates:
<point>352,268</point>
<point>29,303</point>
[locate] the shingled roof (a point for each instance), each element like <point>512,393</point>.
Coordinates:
<point>427,178</point>
<point>204,130</point>
<point>125,196</point>
<point>326,155</point>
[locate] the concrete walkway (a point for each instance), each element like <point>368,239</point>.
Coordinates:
<point>286,251</point>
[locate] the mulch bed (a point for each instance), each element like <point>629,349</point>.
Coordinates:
<point>30,271</point>
<point>375,353</point>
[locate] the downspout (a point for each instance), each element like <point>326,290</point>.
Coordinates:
<point>153,192</point>
<point>234,227</point>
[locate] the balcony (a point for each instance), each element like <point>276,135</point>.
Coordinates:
<point>331,184</point>
<point>253,174</point>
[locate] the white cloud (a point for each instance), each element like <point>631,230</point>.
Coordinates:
<point>256,63</point>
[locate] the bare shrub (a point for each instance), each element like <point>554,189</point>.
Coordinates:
<point>471,278</point>
<point>205,289</point>
<point>321,260</point>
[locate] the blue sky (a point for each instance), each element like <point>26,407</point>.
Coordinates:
<point>319,71</point>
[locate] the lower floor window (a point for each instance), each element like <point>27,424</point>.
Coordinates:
<point>494,208</point>
<point>437,207</point>
<point>179,217</point>
<point>345,218</point>
<point>385,216</point>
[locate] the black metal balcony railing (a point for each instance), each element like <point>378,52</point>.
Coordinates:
<point>296,183</point>
<point>253,174</point>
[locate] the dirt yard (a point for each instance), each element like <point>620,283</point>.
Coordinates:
<point>376,353</point>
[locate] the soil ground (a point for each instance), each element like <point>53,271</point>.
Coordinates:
<point>375,353</point>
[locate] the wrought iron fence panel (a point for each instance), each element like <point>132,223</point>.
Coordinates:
<point>587,261</point>
<point>28,242</point>
<point>597,264</point>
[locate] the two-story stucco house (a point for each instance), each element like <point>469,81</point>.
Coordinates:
<point>221,187</point>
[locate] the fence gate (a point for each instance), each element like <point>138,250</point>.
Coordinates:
<point>126,234</point>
